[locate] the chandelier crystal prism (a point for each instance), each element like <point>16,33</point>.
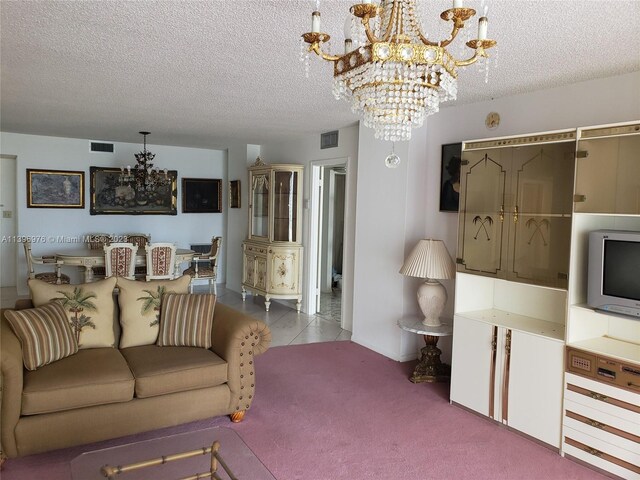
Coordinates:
<point>396,76</point>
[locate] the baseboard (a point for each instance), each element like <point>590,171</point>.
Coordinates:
<point>388,354</point>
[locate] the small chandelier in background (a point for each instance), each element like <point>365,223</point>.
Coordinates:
<point>392,73</point>
<point>143,177</point>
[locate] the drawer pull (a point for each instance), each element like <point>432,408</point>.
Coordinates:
<point>593,451</point>
<point>595,424</point>
<point>597,396</point>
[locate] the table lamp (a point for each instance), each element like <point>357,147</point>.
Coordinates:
<point>430,260</point>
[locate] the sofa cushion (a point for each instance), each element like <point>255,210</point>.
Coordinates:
<point>45,334</point>
<point>89,307</point>
<point>162,370</point>
<point>91,377</point>
<point>140,308</point>
<point>186,320</point>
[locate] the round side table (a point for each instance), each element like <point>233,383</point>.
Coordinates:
<point>429,368</point>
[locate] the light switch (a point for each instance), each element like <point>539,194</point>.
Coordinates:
<point>7,214</point>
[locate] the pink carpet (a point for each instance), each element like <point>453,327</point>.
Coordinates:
<point>336,410</point>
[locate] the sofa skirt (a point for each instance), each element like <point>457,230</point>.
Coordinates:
<point>44,432</point>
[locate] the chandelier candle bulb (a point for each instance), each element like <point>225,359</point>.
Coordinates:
<point>315,22</point>
<point>457,3</point>
<point>483,23</point>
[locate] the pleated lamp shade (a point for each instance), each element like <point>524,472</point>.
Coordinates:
<point>429,259</point>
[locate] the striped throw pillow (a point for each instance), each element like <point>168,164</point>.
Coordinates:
<point>186,320</point>
<point>44,333</point>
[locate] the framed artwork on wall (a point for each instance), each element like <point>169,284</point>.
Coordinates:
<point>234,194</point>
<point>201,195</point>
<point>111,196</point>
<point>55,189</point>
<point>450,177</point>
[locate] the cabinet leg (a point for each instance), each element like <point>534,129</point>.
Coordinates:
<point>267,303</point>
<point>430,368</point>
<point>244,294</point>
<point>299,304</point>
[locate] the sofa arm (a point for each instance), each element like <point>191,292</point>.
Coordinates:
<point>11,400</point>
<point>237,338</point>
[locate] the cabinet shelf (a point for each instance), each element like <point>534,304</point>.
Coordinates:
<point>611,347</point>
<point>514,321</point>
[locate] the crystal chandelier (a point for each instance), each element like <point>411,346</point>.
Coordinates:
<point>143,177</point>
<point>392,73</point>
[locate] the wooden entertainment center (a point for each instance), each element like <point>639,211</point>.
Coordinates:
<point>527,205</point>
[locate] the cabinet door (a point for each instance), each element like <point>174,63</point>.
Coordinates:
<point>259,204</point>
<point>482,206</point>
<point>540,221</point>
<point>248,273</point>
<point>261,272</point>
<point>608,175</point>
<point>283,270</point>
<point>471,364</point>
<point>285,206</point>
<point>535,387</point>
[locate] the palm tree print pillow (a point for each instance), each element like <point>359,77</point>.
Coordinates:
<point>90,309</point>
<point>140,308</point>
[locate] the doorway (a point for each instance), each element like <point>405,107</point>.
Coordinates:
<point>8,247</point>
<point>327,234</point>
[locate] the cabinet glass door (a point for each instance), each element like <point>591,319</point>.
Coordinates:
<point>260,205</point>
<point>285,206</point>
<point>483,182</point>
<point>539,239</point>
<point>608,175</point>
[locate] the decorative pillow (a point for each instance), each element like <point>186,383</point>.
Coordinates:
<point>140,308</point>
<point>89,308</point>
<point>45,334</point>
<point>186,320</point>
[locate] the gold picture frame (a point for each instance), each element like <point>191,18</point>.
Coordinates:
<point>234,194</point>
<point>55,188</point>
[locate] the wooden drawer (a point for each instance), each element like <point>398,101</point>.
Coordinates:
<point>605,398</point>
<point>255,249</point>
<point>601,454</point>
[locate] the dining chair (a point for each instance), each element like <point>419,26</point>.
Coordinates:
<point>56,277</point>
<point>161,261</point>
<point>97,241</point>
<point>120,260</point>
<point>140,240</point>
<point>205,266</point>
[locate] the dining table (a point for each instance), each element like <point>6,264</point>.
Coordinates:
<point>90,258</point>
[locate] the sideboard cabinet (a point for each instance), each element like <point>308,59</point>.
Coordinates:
<point>272,253</point>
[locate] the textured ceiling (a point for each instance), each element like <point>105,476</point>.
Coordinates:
<point>204,73</point>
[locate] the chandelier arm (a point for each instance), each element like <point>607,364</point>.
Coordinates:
<point>469,61</point>
<point>315,47</point>
<point>367,29</point>
<point>454,33</point>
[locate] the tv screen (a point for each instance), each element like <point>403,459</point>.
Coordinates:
<point>621,269</point>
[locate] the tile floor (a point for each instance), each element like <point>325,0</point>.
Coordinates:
<point>287,326</point>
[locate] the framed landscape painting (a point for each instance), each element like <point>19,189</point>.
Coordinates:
<point>450,177</point>
<point>55,188</point>
<point>201,195</point>
<point>110,195</point>
<point>234,194</point>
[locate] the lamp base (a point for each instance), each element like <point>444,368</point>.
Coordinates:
<point>432,297</point>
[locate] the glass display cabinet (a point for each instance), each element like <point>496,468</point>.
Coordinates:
<point>515,208</point>
<point>272,254</point>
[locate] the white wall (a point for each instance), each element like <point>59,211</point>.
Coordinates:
<point>34,151</point>
<point>304,151</point>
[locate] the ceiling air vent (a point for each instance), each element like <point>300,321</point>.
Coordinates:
<point>329,140</point>
<point>101,147</point>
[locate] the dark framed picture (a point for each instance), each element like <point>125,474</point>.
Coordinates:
<point>234,194</point>
<point>55,189</point>
<point>201,195</point>
<point>450,177</point>
<point>114,193</point>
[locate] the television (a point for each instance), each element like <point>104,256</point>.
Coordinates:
<point>613,279</point>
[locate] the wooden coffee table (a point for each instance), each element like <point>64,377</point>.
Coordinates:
<point>237,455</point>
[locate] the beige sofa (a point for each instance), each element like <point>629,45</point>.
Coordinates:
<point>102,393</point>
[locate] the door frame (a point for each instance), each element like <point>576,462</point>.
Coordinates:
<point>313,258</point>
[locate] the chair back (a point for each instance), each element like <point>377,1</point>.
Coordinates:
<point>29,256</point>
<point>97,241</point>
<point>216,244</point>
<point>120,260</point>
<point>140,240</point>
<point>161,261</point>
